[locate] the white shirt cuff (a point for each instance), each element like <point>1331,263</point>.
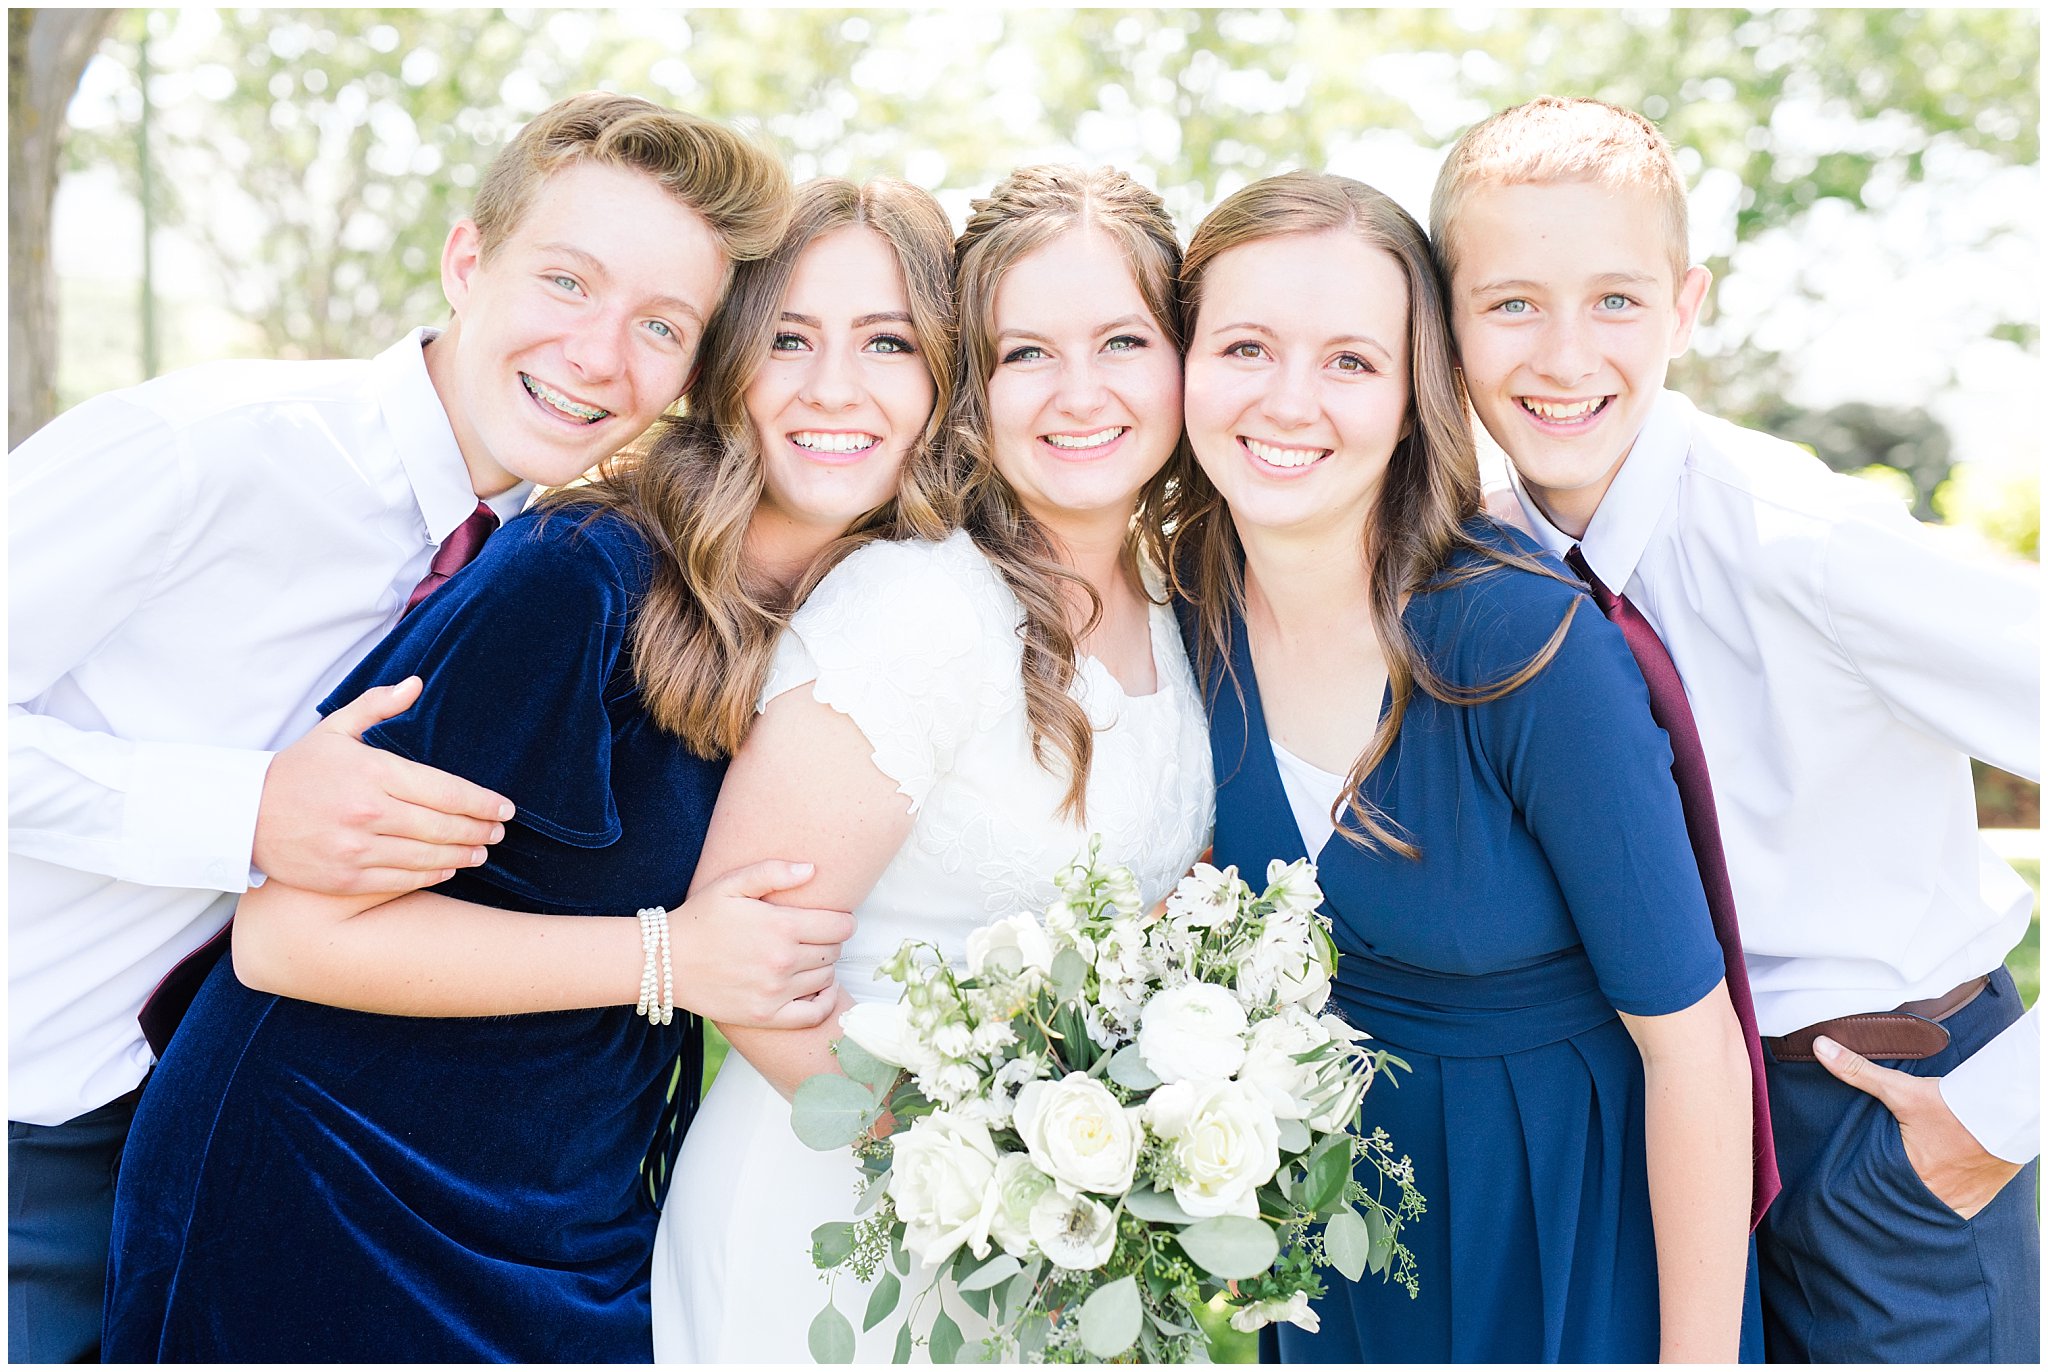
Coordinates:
<point>191,815</point>
<point>1996,1092</point>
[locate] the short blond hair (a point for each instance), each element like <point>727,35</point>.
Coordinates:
<point>738,186</point>
<point>1557,138</point>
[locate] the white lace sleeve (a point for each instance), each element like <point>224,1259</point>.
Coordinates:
<point>898,639</point>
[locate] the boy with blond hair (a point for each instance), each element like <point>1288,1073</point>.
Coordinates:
<point>1840,665</point>
<point>199,560</point>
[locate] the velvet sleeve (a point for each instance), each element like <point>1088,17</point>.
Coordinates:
<point>521,655</point>
<point>1589,772</point>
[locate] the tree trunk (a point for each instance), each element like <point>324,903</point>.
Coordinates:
<point>46,54</point>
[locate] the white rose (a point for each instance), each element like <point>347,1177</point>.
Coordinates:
<point>1223,1143</point>
<point>1287,1086</point>
<point>1019,933</point>
<point>1075,1232</point>
<point>1079,1134</point>
<point>886,1032</point>
<point>1294,1310</point>
<point>1019,1187</point>
<point>942,1179</point>
<point>1192,1033</point>
<point>1206,897</point>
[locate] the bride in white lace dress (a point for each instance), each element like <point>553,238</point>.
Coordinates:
<point>946,723</point>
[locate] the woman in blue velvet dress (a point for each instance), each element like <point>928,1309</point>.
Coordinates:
<point>426,1175</point>
<point>1511,884</point>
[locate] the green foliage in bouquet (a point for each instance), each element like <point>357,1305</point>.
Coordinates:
<point>1112,1117</point>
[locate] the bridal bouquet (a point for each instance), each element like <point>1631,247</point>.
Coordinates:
<point>1105,1121</point>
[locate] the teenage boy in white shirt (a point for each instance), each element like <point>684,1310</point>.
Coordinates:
<point>1843,664</point>
<point>197,561</point>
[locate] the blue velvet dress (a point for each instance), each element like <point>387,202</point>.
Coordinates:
<point>311,1184</point>
<point>1556,885</point>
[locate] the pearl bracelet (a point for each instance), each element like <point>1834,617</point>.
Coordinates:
<point>654,943</point>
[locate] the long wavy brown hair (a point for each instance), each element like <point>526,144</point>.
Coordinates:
<point>1028,209</point>
<point>1419,524</point>
<point>706,631</point>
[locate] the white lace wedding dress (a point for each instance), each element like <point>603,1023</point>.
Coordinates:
<point>917,644</point>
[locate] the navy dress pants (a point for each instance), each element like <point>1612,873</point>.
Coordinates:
<point>60,1213</point>
<point>1860,1261</point>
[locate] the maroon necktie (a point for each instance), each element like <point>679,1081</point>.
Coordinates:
<point>173,996</point>
<point>1673,713</point>
<point>457,551</point>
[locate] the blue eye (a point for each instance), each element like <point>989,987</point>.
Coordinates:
<point>567,283</point>
<point>660,328</point>
<point>1513,307</point>
<point>1615,302</point>
<point>890,343</point>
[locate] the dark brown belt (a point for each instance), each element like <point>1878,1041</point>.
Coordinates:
<point>1911,1032</point>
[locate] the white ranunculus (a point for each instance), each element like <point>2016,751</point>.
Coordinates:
<point>1294,1310</point>
<point>1074,1232</point>
<point>1021,933</point>
<point>1079,1134</point>
<point>1206,897</point>
<point>1287,1086</point>
<point>942,1179</point>
<point>1192,1033</point>
<point>1223,1142</point>
<point>1019,1187</point>
<point>886,1032</point>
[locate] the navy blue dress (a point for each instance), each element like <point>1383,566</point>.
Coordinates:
<point>306,1183</point>
<point>1556,886</point>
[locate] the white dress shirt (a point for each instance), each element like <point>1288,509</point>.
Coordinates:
<point>1844,662</point>
<point>194,563</point>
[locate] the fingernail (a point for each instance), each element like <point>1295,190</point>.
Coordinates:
<point>802,869</point>
<point>497,833</point>
<point>1826,1049</point>
<point>506,811</point>
<point>477,857</point>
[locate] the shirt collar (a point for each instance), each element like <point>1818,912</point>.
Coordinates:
<point>1635,502</point>
<point>425,440</point>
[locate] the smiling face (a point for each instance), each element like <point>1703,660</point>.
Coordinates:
<point>1297,381</point>
<point>844,393</point>
<point>578,329</point>
<point>1084,402</point>
<point>1567,318</point>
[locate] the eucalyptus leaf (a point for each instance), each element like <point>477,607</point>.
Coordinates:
<point>875,1189</point>
<point>831,1336</point>
<point>1015,1295</point>
<point>978,1301</point>
<point>999,1268</point>
<point>1032,1335</point>
<point>1294,1136</point>
<point>883,1302</point>
<point>1003,962</point>
<point>831,1111</point>
<point>1231,1247</point>
<point>1069,971</point>
<point>1111,1318</point>
<point>898,1258</point>
<point>831,1243</point>
<point>1382,1239</point>
<point>864,1067</point>
<point>1127,1068</point>
<point>1348,1243</point>
<point>945,1340</point>
<point>902,1353</point>
<point>1157,1207</point>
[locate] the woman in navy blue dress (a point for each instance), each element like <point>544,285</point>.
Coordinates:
<point>412,1169</point>
<point>1511,884</point>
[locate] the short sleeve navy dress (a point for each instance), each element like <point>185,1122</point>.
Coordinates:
<point>305,1183</point>
<point>1555,887</point>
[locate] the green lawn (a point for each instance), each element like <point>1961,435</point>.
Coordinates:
<point>1227,1345</point>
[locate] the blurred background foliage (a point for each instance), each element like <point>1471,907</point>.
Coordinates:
<point>308,162</point>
